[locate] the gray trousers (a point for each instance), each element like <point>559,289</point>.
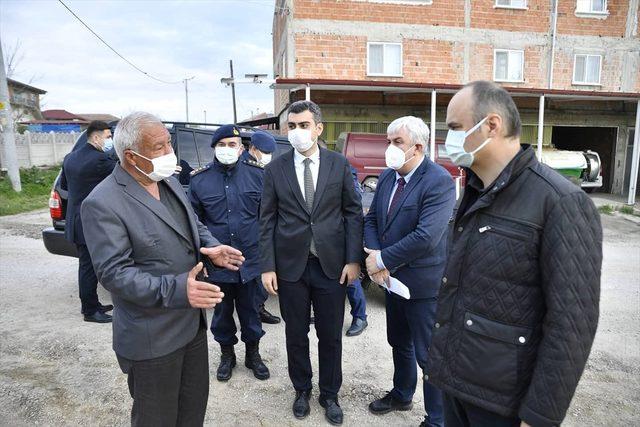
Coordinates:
<point>171,390</point>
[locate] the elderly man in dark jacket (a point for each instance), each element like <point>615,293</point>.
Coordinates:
<point>518,304</point>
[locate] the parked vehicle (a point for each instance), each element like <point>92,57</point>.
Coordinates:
<point>365,152</point>
<point>192,145</point>
<point>582,167</point>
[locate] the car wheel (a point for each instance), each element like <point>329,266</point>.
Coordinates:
<point>370,184</point>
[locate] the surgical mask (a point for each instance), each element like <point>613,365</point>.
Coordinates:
<point>227,155</point>
<point>108,144</point>
<point>301,139</point>
<point>454,145</point>
<point>394,157</point>
<point>264,158</point>
<point>163,166</point>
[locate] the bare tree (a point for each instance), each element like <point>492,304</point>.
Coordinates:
<point>12,58</point>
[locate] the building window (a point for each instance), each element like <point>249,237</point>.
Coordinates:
<point>592,9</point>
<point>511,4</point>
<point>591,6</point>
<point>508,65</point>
<point>586,69</point>
<point>384,59</point>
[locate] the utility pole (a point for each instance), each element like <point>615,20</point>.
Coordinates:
<point>6,128</point>
<point>186,94</point>
<point>233,93</point>
<point>205,116</point>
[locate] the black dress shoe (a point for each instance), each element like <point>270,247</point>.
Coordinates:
<point>267,317</point>
<point>388,404</point>
<point>227,363</point>
<point>105,308</point>
<point>301,404</point>
<point>332,411</point>
<point>357,326</point>
<point>98,317</point>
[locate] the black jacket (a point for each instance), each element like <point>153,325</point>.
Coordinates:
<point>518,305</point>
<point>286,225</point>
<point>82,170</point>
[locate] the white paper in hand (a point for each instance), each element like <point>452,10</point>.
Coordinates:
<point>399,288</point>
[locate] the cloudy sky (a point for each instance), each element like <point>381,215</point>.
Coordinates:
<point>170,40</point>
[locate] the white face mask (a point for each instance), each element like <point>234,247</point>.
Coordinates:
<point>455,146</point>
<point>227,155</point>
<point>394,157</point>
<point>301,139</point>
<point>163,166</point>
<point>265,158</point>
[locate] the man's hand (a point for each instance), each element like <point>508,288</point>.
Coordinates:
<point>202,294</point>
<point>372,262</point>
<point>523,424</point>
<point>381,277</point>
<point>224,256</point>
<point>270,282</point>
<point>350,272</point>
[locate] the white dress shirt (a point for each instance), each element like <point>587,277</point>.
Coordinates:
<point>298,161</point>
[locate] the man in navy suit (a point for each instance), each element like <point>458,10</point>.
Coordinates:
<point>405,237</point>
<point>82,170</point>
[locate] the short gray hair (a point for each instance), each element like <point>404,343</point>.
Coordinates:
<point>128,133</point>
<point>489,98</point>
<point>416,128</point>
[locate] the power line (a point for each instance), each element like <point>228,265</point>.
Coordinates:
<point>115,51</point>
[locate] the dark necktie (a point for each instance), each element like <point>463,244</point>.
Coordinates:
<point>397,194</point>
<point>309,192</point>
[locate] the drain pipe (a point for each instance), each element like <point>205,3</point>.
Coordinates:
<point>553,41</point>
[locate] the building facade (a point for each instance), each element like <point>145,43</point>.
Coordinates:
<point>25,100</point>
<point>367,62</point>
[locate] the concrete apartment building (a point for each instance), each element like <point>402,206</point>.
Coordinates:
<point>573,66</point>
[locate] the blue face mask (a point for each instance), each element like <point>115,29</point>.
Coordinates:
<point>454,145</point>
<point>108,145</point>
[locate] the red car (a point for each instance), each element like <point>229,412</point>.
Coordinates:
<point>365,152</point>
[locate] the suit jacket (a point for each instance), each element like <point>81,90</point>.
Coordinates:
<point>82,170</point>
<point>142,258</point>
<point>286,224</point>
<point>413,237</point>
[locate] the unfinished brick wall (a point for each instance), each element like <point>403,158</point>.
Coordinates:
<point>537,18</point>
<point>342,57</point>
<point>610,77</point>
<point>323,54</point>
<point>446,13</point>
<point>613,25</point>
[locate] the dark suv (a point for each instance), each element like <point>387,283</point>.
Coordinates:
<point>192,145</point>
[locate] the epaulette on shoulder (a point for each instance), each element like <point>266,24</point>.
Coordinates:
<point>197,171</point>
<point>254,163</point>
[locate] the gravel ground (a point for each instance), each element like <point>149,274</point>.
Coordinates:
<point>58,370</point>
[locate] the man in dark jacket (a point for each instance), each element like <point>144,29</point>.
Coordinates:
<point>518,304</point>
<point>82,170</point>
<point>225,194</point>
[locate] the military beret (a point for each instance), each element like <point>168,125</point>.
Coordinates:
<point>226,131</point>
<point>263,141</point>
